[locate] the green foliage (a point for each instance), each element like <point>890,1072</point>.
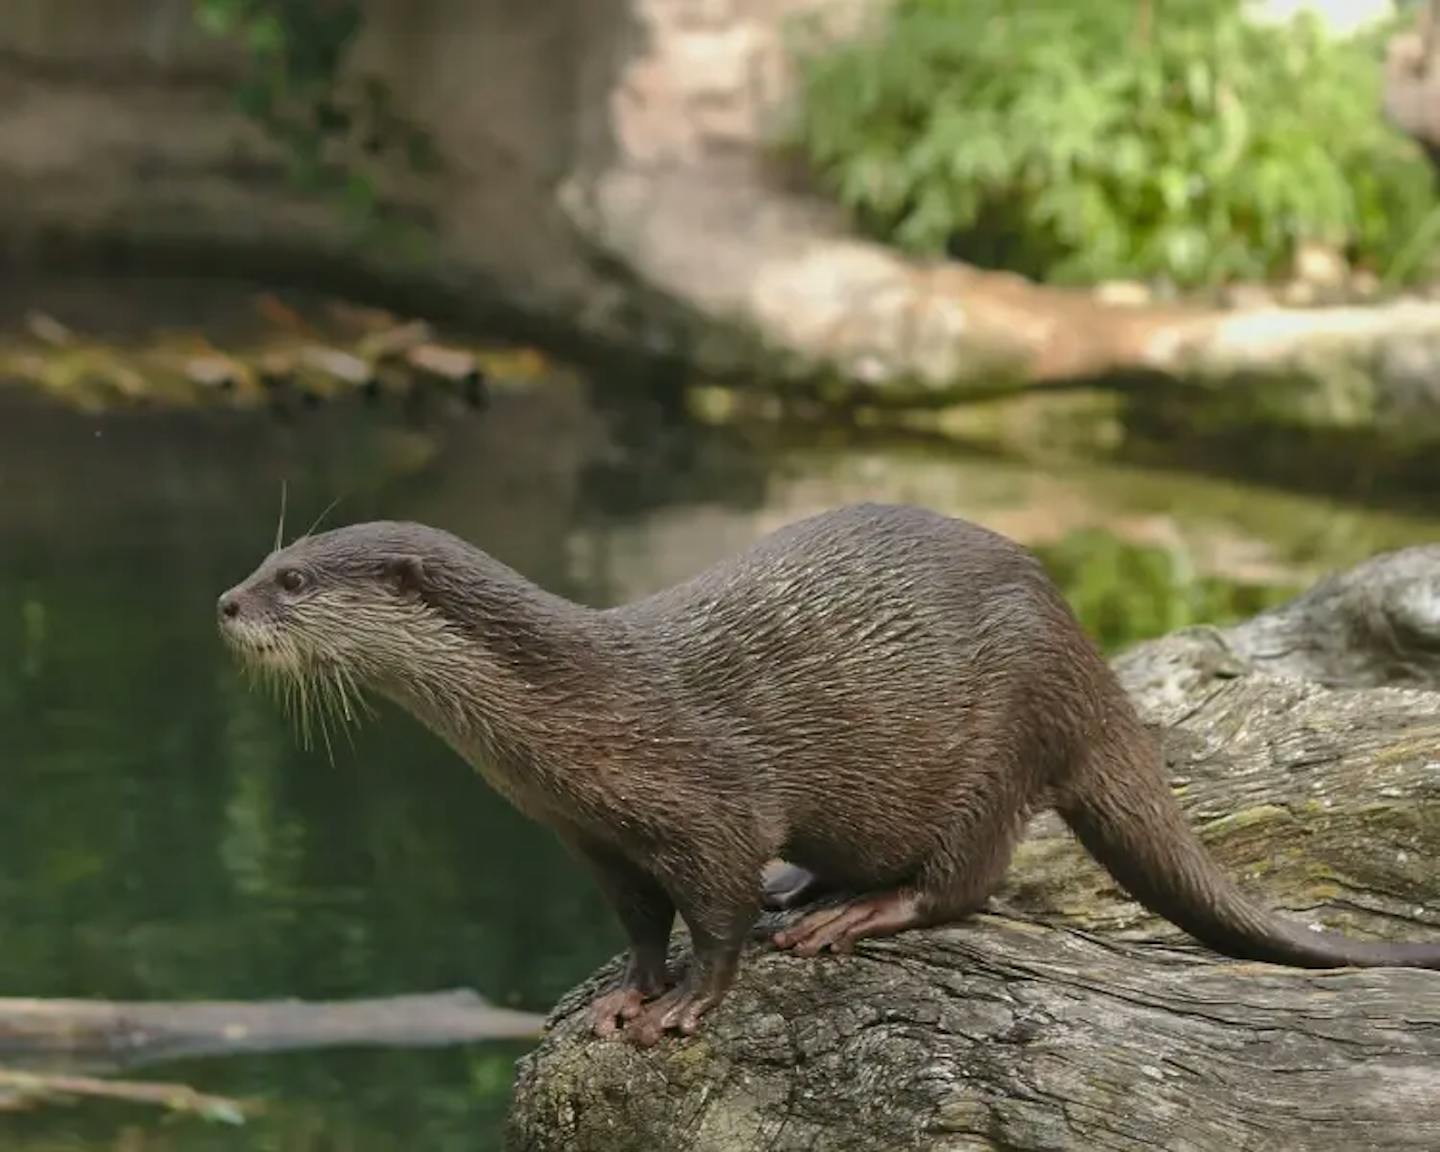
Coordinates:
<point>1077,140</point>
<point>295,49</point>
<point>1124,593</point>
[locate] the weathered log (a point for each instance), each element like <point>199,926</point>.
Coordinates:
<point>109,1034</point>
<point>1067,1017</point>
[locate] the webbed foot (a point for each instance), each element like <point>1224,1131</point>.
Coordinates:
<point>612,1010</point>
<point>839,926</point>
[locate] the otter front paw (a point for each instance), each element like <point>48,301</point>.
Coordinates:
<point>610,1011</point>
<point>679,1010</point>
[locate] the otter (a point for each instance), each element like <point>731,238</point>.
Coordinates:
<point>878,696</point>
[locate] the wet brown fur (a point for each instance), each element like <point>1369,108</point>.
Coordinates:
<point>880,695</point>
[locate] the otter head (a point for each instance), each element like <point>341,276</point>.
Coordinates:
<point>339,611</point>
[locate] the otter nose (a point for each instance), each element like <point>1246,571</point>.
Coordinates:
<point>229,606</point>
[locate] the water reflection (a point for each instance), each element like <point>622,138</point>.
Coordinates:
<point>164,835</point>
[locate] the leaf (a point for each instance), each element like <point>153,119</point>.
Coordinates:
<point>1047,134</point>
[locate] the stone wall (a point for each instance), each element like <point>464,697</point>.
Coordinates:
<point>119,129</point>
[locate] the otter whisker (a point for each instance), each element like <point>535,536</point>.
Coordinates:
<point>326,709</point>
<point>319,697</point>
<point>342,694</point>
<point>333,711</point>
<point>292,694</point>
<point>280,525</point>
<point>306,734</point>
<point>316,523</point>
<point>321,719</point>
<point>355,698</point>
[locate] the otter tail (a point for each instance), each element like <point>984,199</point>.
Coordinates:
<point>1122,810</point>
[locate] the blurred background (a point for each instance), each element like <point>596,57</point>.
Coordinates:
<point>610,288</point>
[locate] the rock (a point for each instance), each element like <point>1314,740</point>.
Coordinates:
<point>292,358</point>
<point>1321,266</point>
<point>454,365</point>
<point>1066,1017</point>
<point>48,330</point>
<point>394,340</point>
<point>1364,284</point>
<point>1248,295</point>
<point>214,371</point>
<point>345,367</point>
<point>1124,293</point>
<point>1299,294</point>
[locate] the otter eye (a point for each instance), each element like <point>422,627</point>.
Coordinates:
<point>291,580</point>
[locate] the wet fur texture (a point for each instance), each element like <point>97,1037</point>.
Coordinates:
<point>879,695</point>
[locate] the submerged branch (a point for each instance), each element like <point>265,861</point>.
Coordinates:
<point>24,1089</point>
<point>125,1035</point>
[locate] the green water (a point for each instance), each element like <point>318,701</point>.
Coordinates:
<point>163,836</point>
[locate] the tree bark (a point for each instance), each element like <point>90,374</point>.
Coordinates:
<point>1068,1018</point>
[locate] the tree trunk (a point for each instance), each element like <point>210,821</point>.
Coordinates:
<point>1068,1018</point>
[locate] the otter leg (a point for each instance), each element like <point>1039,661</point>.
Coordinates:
<point>647,914</point>
<point>952,884</point>
<point>711,973</point>
<point>789,886</point>
<point>719,911</point>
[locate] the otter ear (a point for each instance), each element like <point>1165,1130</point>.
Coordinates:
<point>405,573</point>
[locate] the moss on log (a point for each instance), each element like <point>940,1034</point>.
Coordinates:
<point>1068,1018</point>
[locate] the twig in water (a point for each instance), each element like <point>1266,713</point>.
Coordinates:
<point>26,1087</point>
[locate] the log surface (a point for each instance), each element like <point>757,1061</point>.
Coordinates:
<point>1068,1018</point>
